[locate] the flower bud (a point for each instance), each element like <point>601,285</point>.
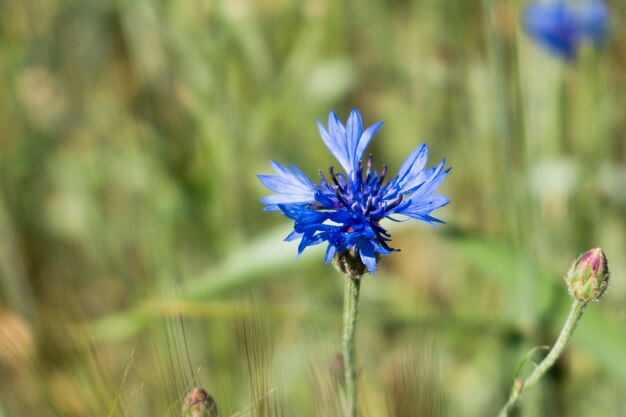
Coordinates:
<point>588,278</point>
<point>199,404</point>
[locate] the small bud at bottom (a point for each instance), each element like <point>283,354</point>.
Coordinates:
<point>199,404</point>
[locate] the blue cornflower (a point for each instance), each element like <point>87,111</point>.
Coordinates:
<point>561,26</point>
<point>345,210</point>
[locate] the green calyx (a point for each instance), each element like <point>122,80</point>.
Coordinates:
<point>350,264</point>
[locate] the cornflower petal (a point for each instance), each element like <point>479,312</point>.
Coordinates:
<point>353,131</point>
<point>293,236</point>
<point>410,173</point>
<point>368,256</point>
<point>421,209</point>
<point>365,139</point>
<point>338,134</point>
<point>429,184</point>
<point>335,144</point>
<point>331,250</point>
<point>291,186</point>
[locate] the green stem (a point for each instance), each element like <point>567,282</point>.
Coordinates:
<point>520,386</point>
<point>350,310</point>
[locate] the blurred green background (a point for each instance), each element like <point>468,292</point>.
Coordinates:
<point>136,261</point>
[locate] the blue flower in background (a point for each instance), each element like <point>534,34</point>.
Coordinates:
<point>345,210</point>
<point>562,26</point>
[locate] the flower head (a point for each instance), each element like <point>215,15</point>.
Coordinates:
<point>560,26</point>
<point>199,404</point>
<point>588,278</point>
<point>345,209</point>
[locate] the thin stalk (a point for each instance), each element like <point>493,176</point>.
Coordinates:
<point>350,311</point>
<point>519,386</point>
<point>564,108</point>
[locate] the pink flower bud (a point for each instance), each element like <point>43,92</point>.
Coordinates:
<point>199,404</point>
<point>588,278</point>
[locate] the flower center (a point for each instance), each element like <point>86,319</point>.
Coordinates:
<point>361,194</point>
